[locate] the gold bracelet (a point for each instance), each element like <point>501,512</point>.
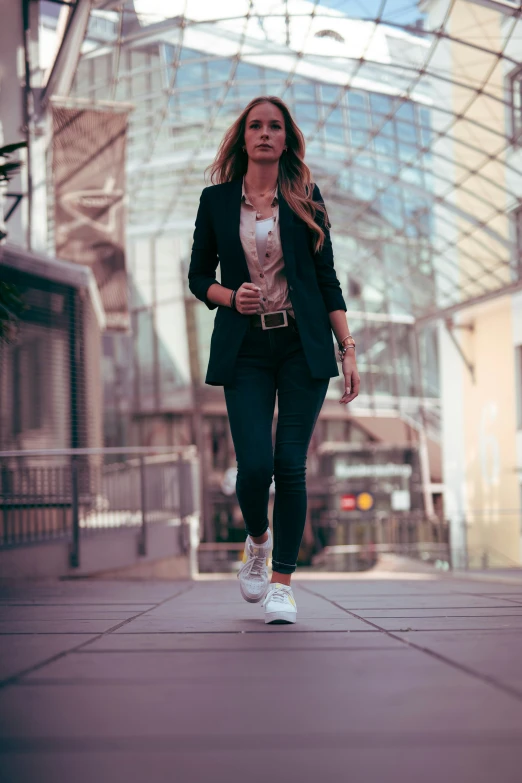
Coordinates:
<point>351,344</point>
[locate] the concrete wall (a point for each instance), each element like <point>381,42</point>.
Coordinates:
<point>482,489</point>
<point>11,106</point>
<point>109,553</point>
<point>489,426</point>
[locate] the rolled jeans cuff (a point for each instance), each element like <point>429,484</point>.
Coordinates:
<point>282,568</point>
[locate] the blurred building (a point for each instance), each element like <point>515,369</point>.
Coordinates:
<point>481,336</point>
<point>188,83</point>
<point>411,113</point>
<point>50,369</point>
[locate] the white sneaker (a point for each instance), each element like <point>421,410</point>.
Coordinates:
<point>253,574</point>
<point>279,603</point>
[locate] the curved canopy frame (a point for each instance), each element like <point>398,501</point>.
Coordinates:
<point>417,105</point>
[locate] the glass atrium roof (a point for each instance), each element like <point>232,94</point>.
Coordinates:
<point>412,113</point>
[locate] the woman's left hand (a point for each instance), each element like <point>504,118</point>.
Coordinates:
<point>351,378</point>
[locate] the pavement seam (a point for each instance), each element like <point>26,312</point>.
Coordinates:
<point>69,603</point>
<point>220,742</point>
<point>15,678</point>
<point>415,608</point>
<point>518,602</point>
<point>510,691</point>
<point>206,650</point>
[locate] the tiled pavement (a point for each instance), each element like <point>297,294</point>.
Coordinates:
<point>400,678</point>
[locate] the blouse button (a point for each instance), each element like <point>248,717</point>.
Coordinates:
<point>267,255</point>
<point>269,233</point>
<point>264,299</point>
<point>261,275</point>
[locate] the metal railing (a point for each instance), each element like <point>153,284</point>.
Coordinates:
<point>355,557</point>
<point>483,558</point>
<point>408,535</point>
<point>69,493</point>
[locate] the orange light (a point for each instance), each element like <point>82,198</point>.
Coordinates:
<point>364,501</point>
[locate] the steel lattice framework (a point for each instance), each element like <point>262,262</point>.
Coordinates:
<point>412,113</point>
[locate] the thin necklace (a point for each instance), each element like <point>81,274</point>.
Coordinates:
<point>261,195</point>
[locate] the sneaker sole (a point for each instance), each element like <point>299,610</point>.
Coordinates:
<point>280,618</point>
<point>250,599</point>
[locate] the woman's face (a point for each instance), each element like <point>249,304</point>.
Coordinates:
<point>265,135</point>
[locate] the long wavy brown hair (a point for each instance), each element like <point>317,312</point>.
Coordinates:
<point>294,178</point>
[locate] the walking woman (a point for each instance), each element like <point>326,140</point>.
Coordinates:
<point>278,302</point>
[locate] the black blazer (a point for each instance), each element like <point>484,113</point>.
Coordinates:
<point>313,286</point>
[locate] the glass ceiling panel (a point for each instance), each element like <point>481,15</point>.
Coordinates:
<point>408,108</point>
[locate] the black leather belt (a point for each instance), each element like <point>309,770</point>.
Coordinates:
<point>272,320</point>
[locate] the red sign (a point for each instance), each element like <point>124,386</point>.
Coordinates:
<point>348,503</point>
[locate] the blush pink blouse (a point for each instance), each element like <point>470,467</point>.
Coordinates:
<point>267,272</point>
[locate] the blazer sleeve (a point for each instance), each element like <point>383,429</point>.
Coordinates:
<point>204,258</point>
<point>324,266</point>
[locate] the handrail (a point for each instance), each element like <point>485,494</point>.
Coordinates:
<point>42,498</point>
<point>190,449</point>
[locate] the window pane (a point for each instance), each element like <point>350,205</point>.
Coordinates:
<point>304,92</point>
<point>219,70</point>
<point>357,100</point>
<point>380,104</point>
<point>359,119</point>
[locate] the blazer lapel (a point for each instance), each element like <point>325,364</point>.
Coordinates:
<point>286,225</point>
<point>233,219</point>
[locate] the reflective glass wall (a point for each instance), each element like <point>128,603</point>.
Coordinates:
<point>368,150</point>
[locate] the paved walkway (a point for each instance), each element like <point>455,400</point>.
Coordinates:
<point>403,677</point>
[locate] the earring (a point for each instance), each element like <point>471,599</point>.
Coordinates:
<point>244,149</point>
<point>285,149</point>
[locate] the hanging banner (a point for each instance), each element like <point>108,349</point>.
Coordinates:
<point>89,187</point>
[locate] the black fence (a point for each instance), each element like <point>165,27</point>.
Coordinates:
<point>71,493</point>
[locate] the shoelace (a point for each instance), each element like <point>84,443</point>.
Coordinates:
<point>278,593</point>
<point>254,566</point>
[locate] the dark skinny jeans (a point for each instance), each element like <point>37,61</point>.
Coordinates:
<point>271,362</point>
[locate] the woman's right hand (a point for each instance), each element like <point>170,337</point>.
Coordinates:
<point>248,299</point>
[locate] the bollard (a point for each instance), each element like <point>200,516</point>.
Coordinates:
<point>75,543</point>
<point>142,540</point>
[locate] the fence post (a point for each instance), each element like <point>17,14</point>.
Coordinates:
<point>5,493</point>
<point>189,507</point>
<point>449,545</point>
<point>75,508</point>
<point>142,541</point>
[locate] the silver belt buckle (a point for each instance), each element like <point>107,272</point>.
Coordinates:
<point>264,325</point>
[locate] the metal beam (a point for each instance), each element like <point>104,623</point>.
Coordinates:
<point>17,199</point>
<point>469,365</point>
<point>66,62</point>
<point>445,312</point>
<point>507,8</point>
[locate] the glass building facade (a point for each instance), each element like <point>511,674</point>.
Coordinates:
<point>368,132</point>
<point>412,115</point>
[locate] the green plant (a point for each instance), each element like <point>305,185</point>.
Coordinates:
<point>10,167</point>
<point>11,305</point>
